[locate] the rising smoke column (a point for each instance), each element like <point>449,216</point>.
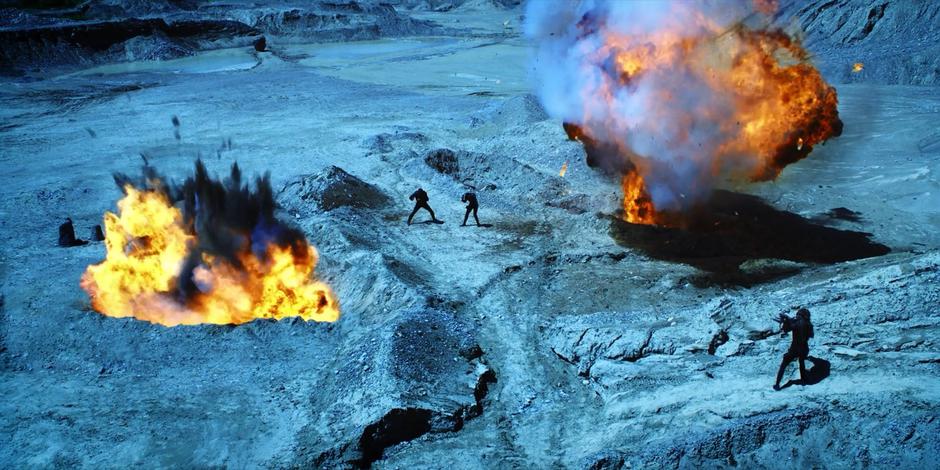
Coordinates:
<point>679,95</point>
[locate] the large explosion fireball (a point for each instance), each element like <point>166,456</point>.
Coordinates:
<point>221,258</point>
<point>679,96</point>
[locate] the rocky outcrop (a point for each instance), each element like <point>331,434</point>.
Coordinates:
<point>896,41</point>
<point>802,436</point>
<point>341,21</point>
<point>448,5</point>
<point>109,31</point>
<point>740,437</point>
<point>607,347</point>
<point>423,373</point>
<point>88,43</point>
<point>641,363</point>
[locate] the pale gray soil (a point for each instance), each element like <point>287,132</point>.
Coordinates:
<point>608,347</point>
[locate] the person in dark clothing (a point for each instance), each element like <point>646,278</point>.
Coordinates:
<point>96,234</point>
<point>802,330</point>
<point>472,206</point>
<point>421,202</point>
<point>67,235</point>
<point>261,44</point>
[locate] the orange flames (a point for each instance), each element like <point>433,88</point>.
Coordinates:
<point>637,205</point>
<point>691,103</point>
<point>564,169</point>
<point>148,243</point>
<point>781,101</point>
<point>776,108</point>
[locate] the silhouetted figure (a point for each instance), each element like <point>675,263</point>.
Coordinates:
<point>802,331</point>
<point>176,132</point>
<point>67,235</point>
<point>421,202</point>
<point>472,206</point>
<point>96,234</point>
<point>261,44</point>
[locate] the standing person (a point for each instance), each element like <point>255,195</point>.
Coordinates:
<point>802,331</point>
<point>472,206</point>
<point>421,202</point>
<point>67,234</point>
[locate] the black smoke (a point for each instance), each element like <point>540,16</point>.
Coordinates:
<point>229,218</point>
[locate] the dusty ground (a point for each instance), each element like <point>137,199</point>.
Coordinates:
<point>606,344</point>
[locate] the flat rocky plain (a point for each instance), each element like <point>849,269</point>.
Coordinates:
<point>558,337</point>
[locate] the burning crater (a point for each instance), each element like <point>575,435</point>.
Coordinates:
<point>679,97</point>
<point>204,252</point>
<point>729,229</point>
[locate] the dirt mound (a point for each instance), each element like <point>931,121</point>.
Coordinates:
<point>522,110</point>
<point>330,189</point>
<point>444,161</point>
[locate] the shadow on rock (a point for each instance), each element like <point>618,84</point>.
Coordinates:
<point>732,228</point>
<point>815,374</point>
<point>423,372</point>
<point>399,425</point>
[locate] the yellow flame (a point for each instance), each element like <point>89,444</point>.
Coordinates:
<point>858,67</point>
<point>637,205</point>
<point>147,245</point>
<point>564,169</point>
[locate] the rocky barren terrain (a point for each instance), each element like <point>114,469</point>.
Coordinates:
<point>558,337</point>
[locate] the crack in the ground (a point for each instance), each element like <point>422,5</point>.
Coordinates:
<point>641,352</point>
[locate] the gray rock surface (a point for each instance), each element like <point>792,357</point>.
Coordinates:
<point>423,372</point>
<point>549,340</point>
<point>108,31</point>
<point>897,41</point>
